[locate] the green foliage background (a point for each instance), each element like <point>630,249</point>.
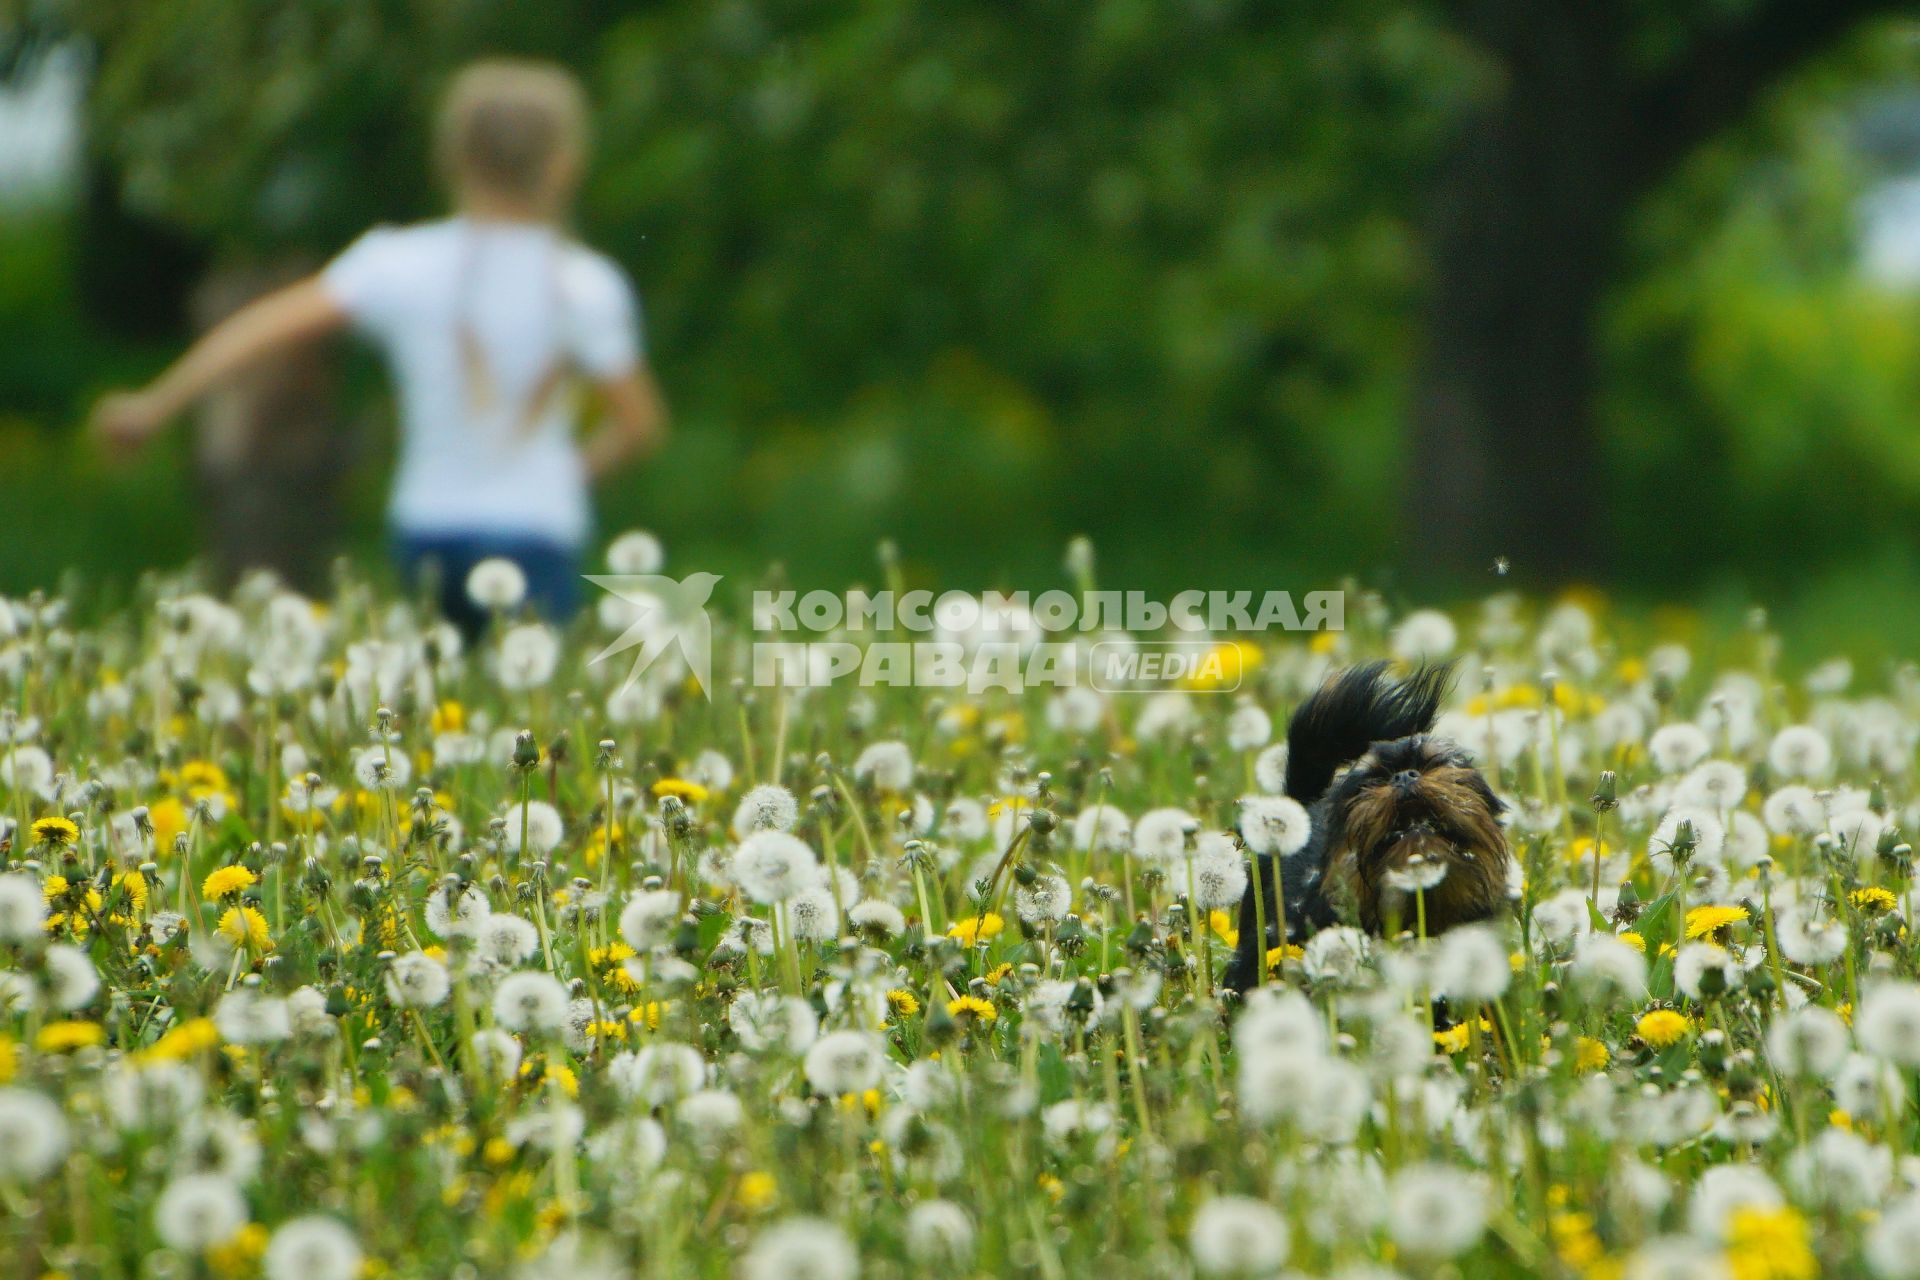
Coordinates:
<point>981,278</point>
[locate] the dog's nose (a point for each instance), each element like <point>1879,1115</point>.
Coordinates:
<point>1405,779</point>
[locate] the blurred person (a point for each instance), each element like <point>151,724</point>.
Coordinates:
<point>489,320</point>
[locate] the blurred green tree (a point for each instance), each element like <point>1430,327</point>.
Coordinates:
<point>991,276</point>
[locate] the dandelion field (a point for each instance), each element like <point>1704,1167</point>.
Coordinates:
<point>332,947</point>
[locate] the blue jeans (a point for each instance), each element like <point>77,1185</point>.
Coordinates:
<point>443,561</point>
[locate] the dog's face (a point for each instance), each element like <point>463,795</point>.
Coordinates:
<point>1409,810</point>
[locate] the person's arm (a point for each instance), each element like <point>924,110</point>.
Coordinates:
<point>297,313</point>
<point>635,425</point>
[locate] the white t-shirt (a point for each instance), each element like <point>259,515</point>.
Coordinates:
<point>533,302</point>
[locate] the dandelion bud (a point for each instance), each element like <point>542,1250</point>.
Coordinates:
<point>525,753</point>
<point>1606,793</point>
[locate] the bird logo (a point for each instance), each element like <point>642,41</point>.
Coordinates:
<point>661,614</point>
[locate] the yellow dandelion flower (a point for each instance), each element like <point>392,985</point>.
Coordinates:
<point>1874,901</point>
<point>56,831</point>
<point>973,1007</point>
<point>203,777</point>
<point>194,1036</point>
<point>903,1002</point>
<point>975,930</point>
<point>1223,927</point>
<point>1590,1055</point>
<point>169,819</point>
<point>228,881</point>
<point>1769,1244</point>
<point>1224,666</point>
<point>756,1191</point>
<point>1662,1027</point>
<point>996,974</point>
<point>691,792</point>
<point>448,717</point>
<point>245,927</point>
<point>1633,940</point>
<point>1702,921</point>
<point>65,1037</point>
<point>9,1059</point>
<point>136,886</point>
<point>240,1255</point>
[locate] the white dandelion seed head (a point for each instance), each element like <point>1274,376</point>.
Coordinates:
<point>814,915</point>
<point>531,1001</point>
<point>1800,751</point>
<point>33,1135</point>
<point>1676,748</point>
<point>1811,1042</point>
<point>658,1073</point>
<point>966,820</point>
<point>1277,1020</point>
<point>939,1234</point>
<point>767,807</point>
<point>1217,873</point>
<point>416,980</point>
<point>1704,969</point>
<point>1471,965</point>
<point>527,657</point>
<point>198,1211</point>
<point>455,909</point>
<point>1337,955</point>
<point>886,766</point>
<point>1238,1236</point>
<point>1275,825</point>
<point>71,980</point>
<point>496,1054</point>
<point>650,918</point>
<point>1101,828</point>
<point>497,584</point>
<point>1709,837</point>
<point>766,1020</point>
<point>1719,785</point>
<point>248,1017</point>
<point>1893,1241</point>
<point>534,829</point>
<point>1888,1022</point>
<point>1044,902</point>
<point>1426,635</point>
<point>1605,968</point>
<point>772,866</point>
<point>801,1249</point>
<point>505,939</point>
<point>312,1248</point>
<point>1724,1188</point>
<point>844,1062</point>
<point>23,911</point>
<point>1160,836</point>
<point>1840,1170</point>
<point>1808,936</point>
<point>1249,728</point>
<point>1435,1211</point>
<point>1270,769</point>
<point>876,917</point>
<point>1563,918</point>
<point>636,552</point>
<point>1077,710</point>
<point>1795,810</point>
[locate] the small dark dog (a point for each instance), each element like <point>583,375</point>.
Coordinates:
<point>1409,807</point>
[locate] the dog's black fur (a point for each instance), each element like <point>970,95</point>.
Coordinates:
<point>1404,795</point>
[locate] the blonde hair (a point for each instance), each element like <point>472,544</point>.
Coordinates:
<point>505,123</point>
